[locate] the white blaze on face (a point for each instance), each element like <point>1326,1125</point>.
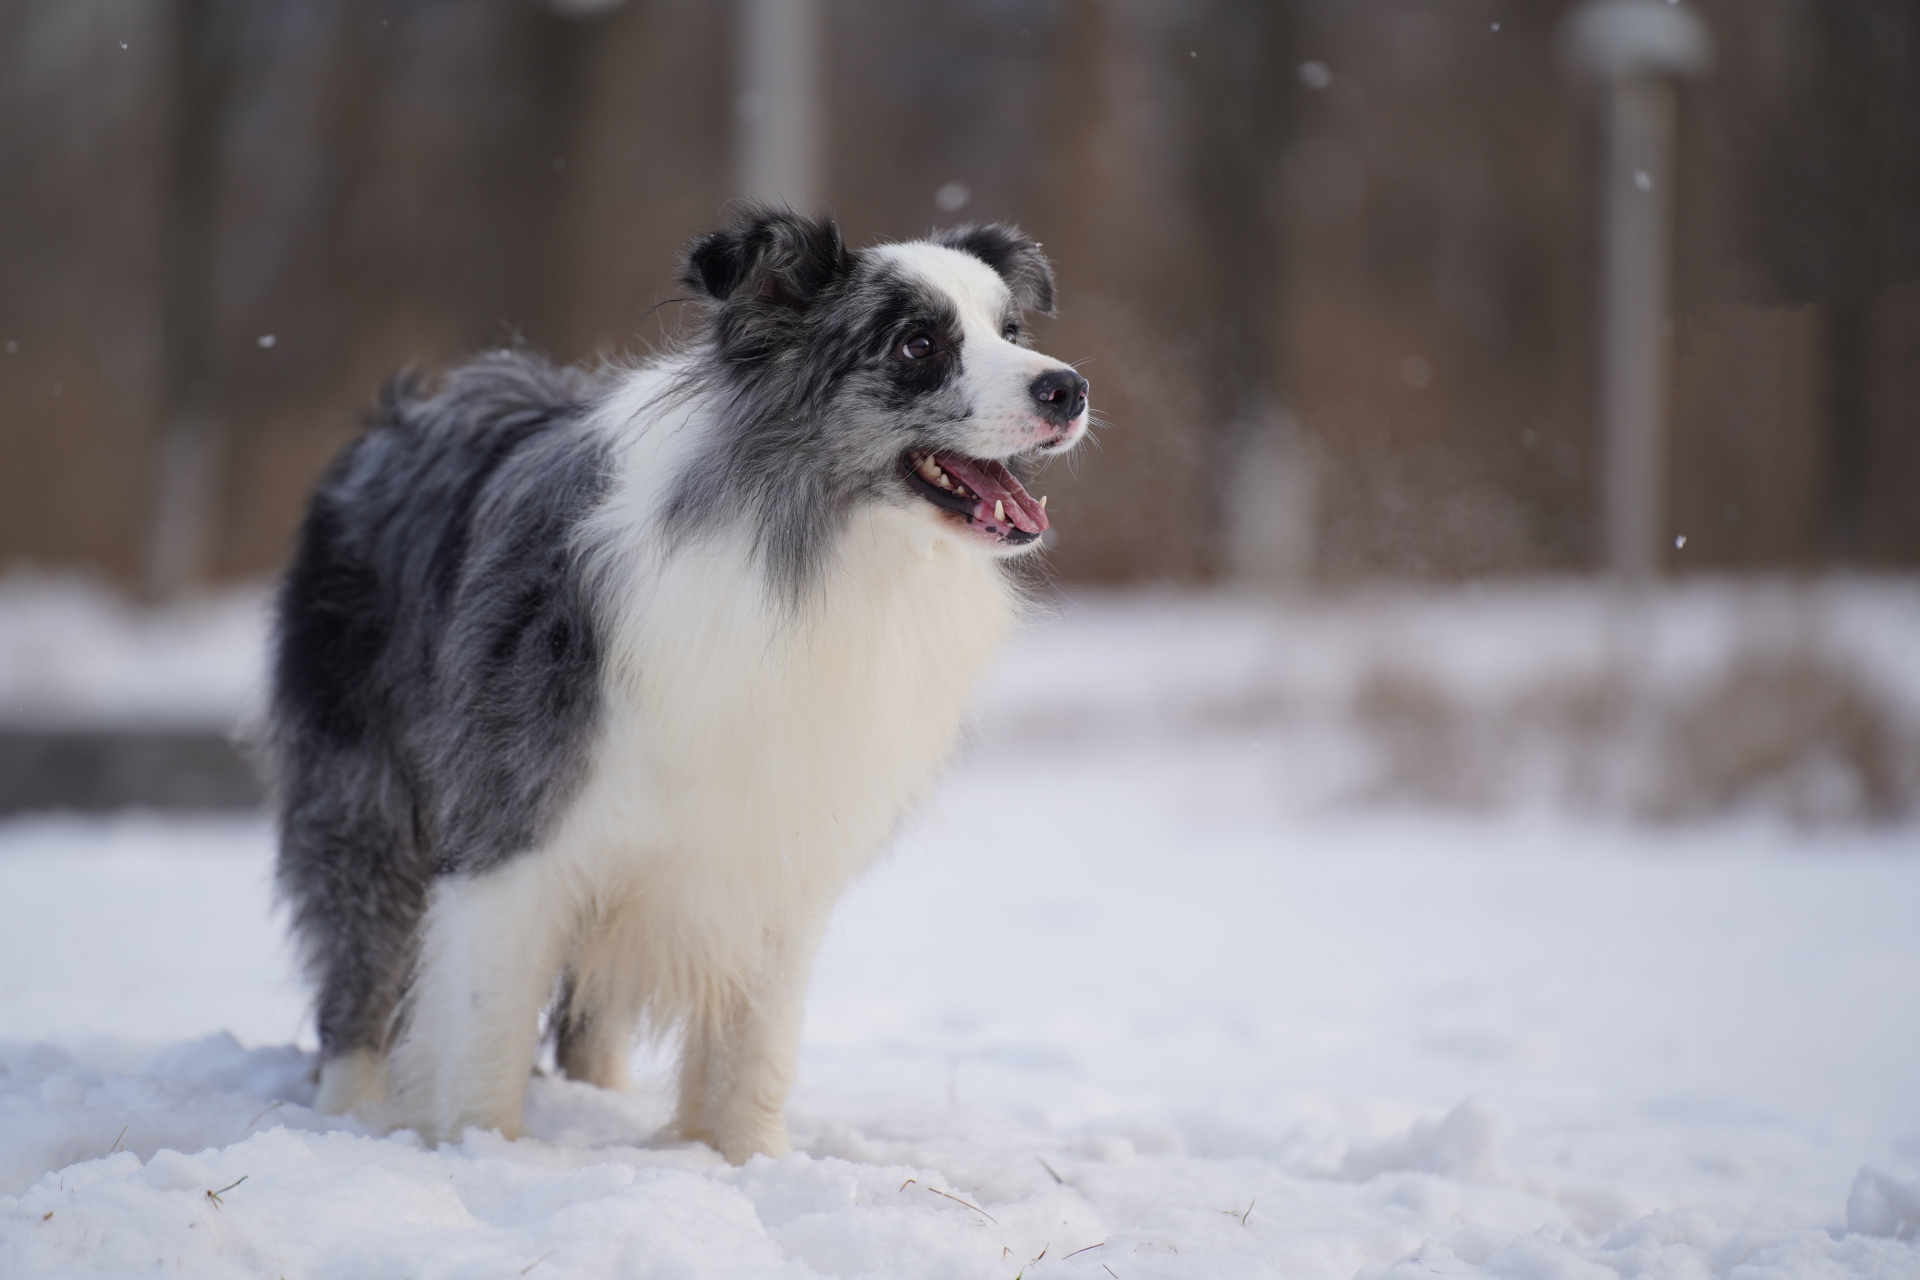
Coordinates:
<point>997,375</point>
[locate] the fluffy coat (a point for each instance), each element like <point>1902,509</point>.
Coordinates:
<point>593,691</point>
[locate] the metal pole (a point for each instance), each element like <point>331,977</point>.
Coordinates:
<point>1637,47</point>
<point>1636,324</point>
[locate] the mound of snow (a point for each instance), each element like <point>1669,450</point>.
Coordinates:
<point>74,653</point>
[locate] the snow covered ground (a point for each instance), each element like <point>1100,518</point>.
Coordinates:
<point>74,654</point>
<point>1193,969</point>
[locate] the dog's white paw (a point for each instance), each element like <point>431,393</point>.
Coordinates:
<point>767,1140</point>
<point>353,1083</point>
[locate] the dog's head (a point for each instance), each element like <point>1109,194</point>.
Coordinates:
<point>900,374</point>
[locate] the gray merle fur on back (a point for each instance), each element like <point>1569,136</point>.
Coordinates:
<point>436,681</point>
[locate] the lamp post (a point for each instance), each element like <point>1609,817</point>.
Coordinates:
<point>1638,49</point>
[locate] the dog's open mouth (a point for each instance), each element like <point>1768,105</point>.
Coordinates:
<point>982,491</point>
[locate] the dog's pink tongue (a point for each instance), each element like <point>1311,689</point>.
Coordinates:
<point>993,483</point>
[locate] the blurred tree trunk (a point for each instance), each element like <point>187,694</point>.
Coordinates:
<point>1254,470</point>
<point>184,508</point>
<point>1859,79</point>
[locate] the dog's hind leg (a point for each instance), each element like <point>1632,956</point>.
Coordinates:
<point>737,1065</point>
<point>592,1039</point>
<point>490,950</point>
<point>355,1081</point>
<point>350,873</point>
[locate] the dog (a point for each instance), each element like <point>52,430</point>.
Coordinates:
<point>592,690</point>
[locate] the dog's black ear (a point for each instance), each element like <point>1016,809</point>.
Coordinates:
<point>1008,251</point>
<point>769,253</point>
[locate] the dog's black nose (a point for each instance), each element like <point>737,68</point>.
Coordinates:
<point>1061,394</point>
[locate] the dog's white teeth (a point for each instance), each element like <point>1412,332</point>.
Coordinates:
<point>945,483</point>
<point>929,468</point>
<point>1043,502</point>
<point>999,510</point>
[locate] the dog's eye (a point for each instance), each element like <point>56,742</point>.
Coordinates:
<point>918,347</point>
<point>1012,332</point>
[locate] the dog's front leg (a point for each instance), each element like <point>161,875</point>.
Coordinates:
<point>490,951</point>
<point>737,1066</point>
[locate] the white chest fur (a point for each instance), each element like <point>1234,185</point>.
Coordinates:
<point>754,757</point>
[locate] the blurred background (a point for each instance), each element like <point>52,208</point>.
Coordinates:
<point>1334,267</point>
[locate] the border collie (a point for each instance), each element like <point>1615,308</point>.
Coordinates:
<point>593,690</point>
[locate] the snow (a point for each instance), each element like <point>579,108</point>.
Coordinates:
<point>73,653</point>
<point>1133,989</point>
